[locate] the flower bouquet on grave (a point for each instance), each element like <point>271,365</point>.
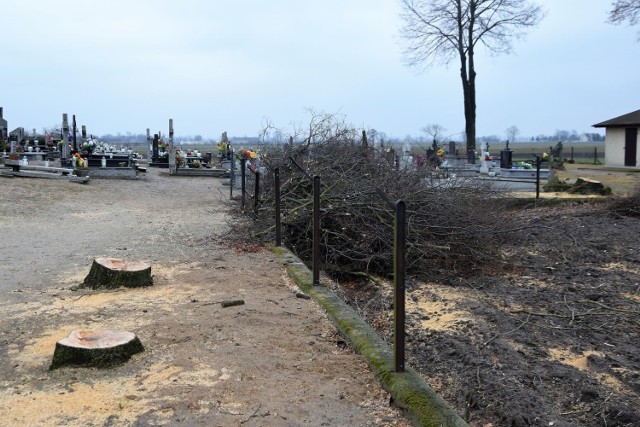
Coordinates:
<point>181,158</point>
<point>222,147</point>
<point>525,165</point>
<point>197,164</point>
<point>88,146</point>
<point>79,161</point>
<point>248,155</point>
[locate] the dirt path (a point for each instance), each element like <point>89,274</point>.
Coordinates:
<point>276,360</point>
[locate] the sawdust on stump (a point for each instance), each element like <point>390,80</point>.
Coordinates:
<point>110,273</point>
<point>100,348</point>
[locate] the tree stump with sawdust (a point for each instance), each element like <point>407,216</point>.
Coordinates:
<point>110,273</point>
<point>100,348</point>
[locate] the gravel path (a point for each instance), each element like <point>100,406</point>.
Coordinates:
<point>276,360</point>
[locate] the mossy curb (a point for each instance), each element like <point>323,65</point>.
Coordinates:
<point>409,391</point>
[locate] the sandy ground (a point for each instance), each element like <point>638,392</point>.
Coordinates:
<point>276,360</point>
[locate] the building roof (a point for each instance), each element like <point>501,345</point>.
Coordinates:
<point>627,120</point>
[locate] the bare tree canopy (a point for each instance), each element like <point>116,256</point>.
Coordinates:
<point>625,10</point>
<point>447,29</point>
<point>512,132</point>
<point>435,131</point>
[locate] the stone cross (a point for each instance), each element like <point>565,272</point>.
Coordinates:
<point>64,156</point>
<point>149,146</point>
<point>172,151</point>
<point>75,128</point>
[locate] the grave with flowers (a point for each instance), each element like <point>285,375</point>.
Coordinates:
<point>159,152</point>
<point>192,163</point>
<point>18,164</point>
<point>104,160</point>
<point>250,157</point>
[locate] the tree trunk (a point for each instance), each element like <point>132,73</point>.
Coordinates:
<point>469,81</point>
<point>100,348</point>
<point>110,273</point>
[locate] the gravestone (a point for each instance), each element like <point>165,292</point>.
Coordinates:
<point>172,151</point>
<point>149,147</point>
<point>64,155</point>
<point>13,140</point>
<point>485,156</point>
<point>74,137</point>
<point>84,134</point>
<point>154,147</point>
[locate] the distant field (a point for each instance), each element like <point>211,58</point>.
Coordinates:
<point>581,150</point>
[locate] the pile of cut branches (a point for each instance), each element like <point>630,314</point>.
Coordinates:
<point>628,205</point>
<point>451,224</point>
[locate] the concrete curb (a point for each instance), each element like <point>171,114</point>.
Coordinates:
<point>409,391</point>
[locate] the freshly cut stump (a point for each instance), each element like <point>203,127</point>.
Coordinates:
<point>110,273</point>
<point>101,348</point>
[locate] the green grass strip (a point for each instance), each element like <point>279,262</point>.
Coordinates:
<point>408,390</point>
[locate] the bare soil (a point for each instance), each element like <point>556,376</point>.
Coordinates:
<point>548,336</point>
<point>275,360</point>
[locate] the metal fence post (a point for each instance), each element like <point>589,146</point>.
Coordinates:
<point>277,201</point>
<point>399,291</point>
<point>232,175</point>
<point>538,161</point>
<point>243,176</point>
<point>316,230</point>
<point>256,193</point>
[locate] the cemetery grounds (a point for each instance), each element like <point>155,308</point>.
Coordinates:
<point>275,360</point>
<point>548,337</point>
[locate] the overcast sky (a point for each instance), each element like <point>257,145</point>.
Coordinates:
<point>226,65</point>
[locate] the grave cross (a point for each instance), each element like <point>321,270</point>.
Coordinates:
<point>172,151</point>
<point>75,129</point>
<point>64,156</point>
<point>149,146</point>
<point>154,148</point>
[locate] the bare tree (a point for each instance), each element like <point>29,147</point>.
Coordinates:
<point>625,10</point>
<point>435,131</point>
<point>449,29</point>
<point>512,133</point>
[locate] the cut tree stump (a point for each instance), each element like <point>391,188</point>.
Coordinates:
<point>110,273</point>
<point>589,186</point>
<point>101,348</point>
